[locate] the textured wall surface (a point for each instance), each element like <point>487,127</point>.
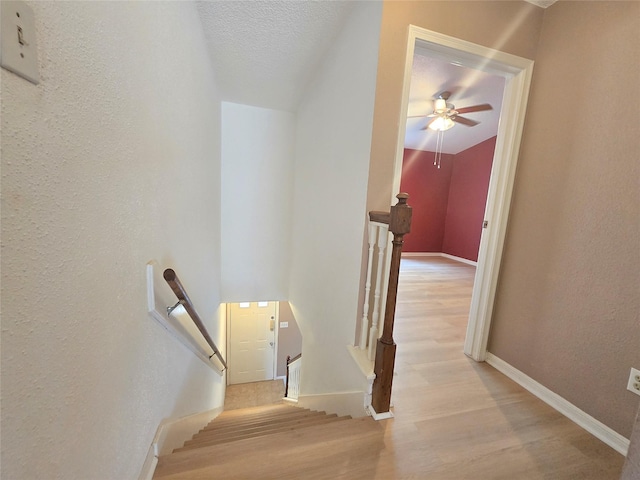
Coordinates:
<point>467,200</point>
<point>567,306</point>
<point>332,156</point>
<point>111,161</point>
<point>289,339</point>
<point>509,26</point>
<point>428,189</point>
<point>448,202</point>
<point>257,189</point>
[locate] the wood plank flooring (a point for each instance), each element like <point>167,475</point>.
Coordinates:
<point>454,419</point>
<point>458,419</point>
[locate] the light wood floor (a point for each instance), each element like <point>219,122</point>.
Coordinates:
<point>454,419</point>
<point>457,419</point>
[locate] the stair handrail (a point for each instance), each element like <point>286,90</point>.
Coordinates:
<point>183,299</point>
<point>289,362</point>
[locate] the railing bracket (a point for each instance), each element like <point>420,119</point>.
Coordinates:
<point>183,299</point>
<point>171,309</point>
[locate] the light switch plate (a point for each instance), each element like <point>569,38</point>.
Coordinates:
<point>19,52</point>
<point>284,324</point>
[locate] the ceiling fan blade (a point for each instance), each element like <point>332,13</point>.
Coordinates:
<point>422,116</point>
<point>465,121</point>
<point>475,108</point>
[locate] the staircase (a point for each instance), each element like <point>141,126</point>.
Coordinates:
<point>276,441</point>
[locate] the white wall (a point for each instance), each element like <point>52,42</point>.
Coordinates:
<point>112,160</point>
<point>257,187</point>
<point>333,142</point>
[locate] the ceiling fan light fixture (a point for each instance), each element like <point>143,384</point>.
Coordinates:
<point>440,105</point>
<point>441,124</point>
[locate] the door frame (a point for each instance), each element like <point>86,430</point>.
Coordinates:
<point>517,72</point>
<point>276,333</point>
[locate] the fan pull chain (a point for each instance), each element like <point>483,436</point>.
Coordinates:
<point>439,141</point>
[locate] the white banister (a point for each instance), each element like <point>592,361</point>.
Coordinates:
<point>364,328</point>
<point>383,239</point>
<point>293,388</point>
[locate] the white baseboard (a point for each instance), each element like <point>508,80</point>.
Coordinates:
<point>459,259</point>
<point>379,416</point>
<point>439,254</point>
<point>172,433</point>
<point>343,403</point>
<point>596,428</point>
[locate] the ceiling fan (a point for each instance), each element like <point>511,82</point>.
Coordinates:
<point>446,115</point>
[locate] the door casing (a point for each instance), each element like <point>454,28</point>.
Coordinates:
<point>275,339</point>
<point>517,72</point>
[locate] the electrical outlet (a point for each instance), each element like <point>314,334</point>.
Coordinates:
<point>634,381</point>
<point>19,52</point>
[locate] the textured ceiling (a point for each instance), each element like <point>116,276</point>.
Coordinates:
<point>468,87</point>
<point>266,52</point>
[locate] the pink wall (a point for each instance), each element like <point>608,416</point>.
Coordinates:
<point>467,200</point>
<point>448,203</point>
<point>428,189</point>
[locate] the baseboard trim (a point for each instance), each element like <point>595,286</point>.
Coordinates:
<point>343,403</point>
<point>379,416</point>
<point>596,428</point>
<point>459,259</point>
<point>172,433</point>
<point>439,254</point>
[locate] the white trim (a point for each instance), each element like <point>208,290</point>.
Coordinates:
<point>379,416</point>
<point>517,72</point>
<point>439,254</point>
<point>276,332</point>
<point>599,430</point>
<point>459,259</point>
<point>362,360</point>
<point>171,434</point>
<point>276,335</point>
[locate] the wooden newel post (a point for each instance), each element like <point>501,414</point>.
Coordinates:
<point>399,225</point>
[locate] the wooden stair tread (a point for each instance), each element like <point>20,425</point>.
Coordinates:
<point>259,410</point>
<point>212,440</point>
<point>250,422</point>
<point>248,429</point>
<point>292,454</point>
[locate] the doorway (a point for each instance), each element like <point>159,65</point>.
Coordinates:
<point>252,341</point>
<point>517,73</point>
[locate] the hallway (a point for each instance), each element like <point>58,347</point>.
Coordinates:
<point>454,419</point>
<point>457,419</point>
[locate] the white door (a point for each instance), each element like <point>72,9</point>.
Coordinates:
<point>251,341</point>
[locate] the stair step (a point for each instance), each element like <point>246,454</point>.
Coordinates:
<point>230,429</point>
<point>235,423</point>
<point>213,440</point>
<point>350,447</point>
